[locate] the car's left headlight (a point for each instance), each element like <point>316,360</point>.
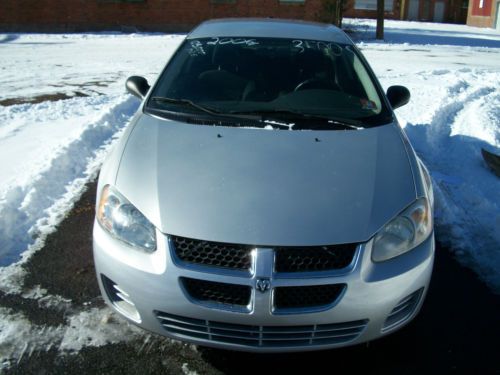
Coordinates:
<point>125,222</point>
<point>403,233</point>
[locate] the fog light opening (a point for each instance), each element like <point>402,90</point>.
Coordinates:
<point>403,310</point>
<point>121,300</point>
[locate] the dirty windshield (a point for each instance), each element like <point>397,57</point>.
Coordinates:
<point>281,79</point>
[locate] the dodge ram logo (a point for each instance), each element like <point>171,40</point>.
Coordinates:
<point>263,285</point>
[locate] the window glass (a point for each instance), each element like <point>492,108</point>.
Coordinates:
<point>235,75</point>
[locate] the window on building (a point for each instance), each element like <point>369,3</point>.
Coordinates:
<point>372,5</point>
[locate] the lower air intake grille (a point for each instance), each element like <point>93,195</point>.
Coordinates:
<point>294,297</point>
<point>120,299</point>
<point>214,292</point>
<point>261,336</point>
<point>312,259</point>
<point>213,254</point>
<point>403,310</point>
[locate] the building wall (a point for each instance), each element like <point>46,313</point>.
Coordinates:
<point>482,14</point>
<point>452,11</point>
<point>143,15</point>
<point>182,15</point>
<point>350,10</point>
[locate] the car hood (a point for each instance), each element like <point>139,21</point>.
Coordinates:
<point>265,187</point>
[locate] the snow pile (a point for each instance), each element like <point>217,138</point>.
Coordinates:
<point>55,157</point>
<point>467,193</point>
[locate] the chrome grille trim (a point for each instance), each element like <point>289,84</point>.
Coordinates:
<point>261,336</point>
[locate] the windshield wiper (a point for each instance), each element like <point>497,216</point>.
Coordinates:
<point>249,119</point>
<point>325,122</point>
<point>187,102</point>
<point>257,119</point>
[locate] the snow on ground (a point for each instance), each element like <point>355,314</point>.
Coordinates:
<point>95,327</point>
<point>63,104</point>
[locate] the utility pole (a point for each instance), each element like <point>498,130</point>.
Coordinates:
<point>380,20</point>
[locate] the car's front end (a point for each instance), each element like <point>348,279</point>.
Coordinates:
<point>260,239</point>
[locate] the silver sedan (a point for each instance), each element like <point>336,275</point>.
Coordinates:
<point>264,197</point>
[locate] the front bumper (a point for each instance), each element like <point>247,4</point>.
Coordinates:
<point>374,302</point>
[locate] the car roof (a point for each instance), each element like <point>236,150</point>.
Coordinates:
<point>269,28</point>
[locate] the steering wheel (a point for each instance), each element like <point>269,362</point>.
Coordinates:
<point>312,83</point>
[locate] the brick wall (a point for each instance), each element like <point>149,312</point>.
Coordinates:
<point>146,15</point>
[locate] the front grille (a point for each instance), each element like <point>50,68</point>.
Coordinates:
<point>403,310</point>
<point>261,336</point>
<point>219,293</point>
<point>214,254</point>
<point>296,297</point>
<point>313,259</point>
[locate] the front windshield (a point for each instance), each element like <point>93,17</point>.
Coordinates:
<point>277,77</point>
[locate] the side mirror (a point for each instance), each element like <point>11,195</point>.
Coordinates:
<point>137,86</point>
<point>398,96</point>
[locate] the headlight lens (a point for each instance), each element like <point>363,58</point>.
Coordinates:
<point>403,233</point>
<point>125,222</point>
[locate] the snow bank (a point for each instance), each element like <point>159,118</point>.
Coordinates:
<point>51,161</point>
<point>467,193</point>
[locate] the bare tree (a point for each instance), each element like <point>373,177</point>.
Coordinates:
<point>332,12</point>
<point>380,19</point>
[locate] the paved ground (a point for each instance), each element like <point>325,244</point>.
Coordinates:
<point>457,331</point>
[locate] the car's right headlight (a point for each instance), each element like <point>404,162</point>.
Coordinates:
<point>125,222</point>
<point>403,233</point>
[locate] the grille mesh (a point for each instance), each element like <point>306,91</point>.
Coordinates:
<point>213,253</point>
<point>312,259</point>
<point>210,291</point>
<point>306,296</point>
<point>261,336</point>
